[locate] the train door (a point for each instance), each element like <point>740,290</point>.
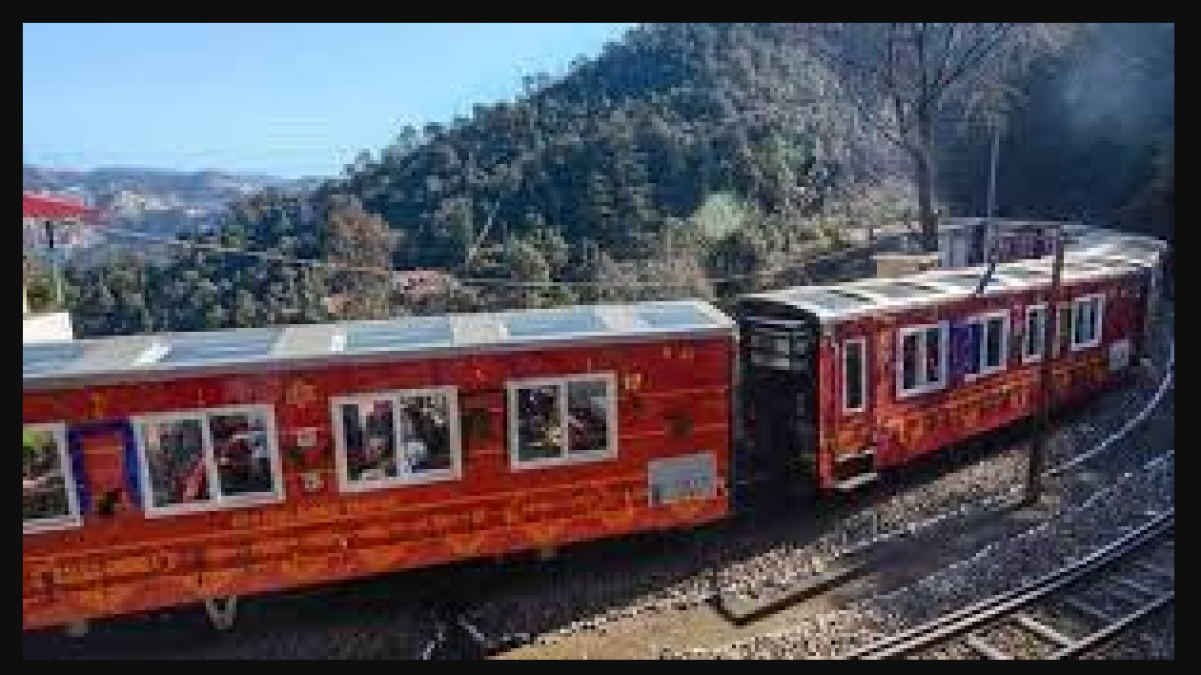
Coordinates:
<point>779,405</point>
<point>106,452</point>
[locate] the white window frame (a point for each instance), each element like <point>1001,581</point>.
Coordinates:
<point>923,386</point>
<point>610,452</point>
<point>862,342</point>
<point>455,472</point>
<point>217,500</point>
<point>73,517</point>
<point>1029,356</point>
<point>1077,304</point>
<point>982,345</point>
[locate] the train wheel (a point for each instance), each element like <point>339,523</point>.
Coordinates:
<point>222,611</point>
<point>77,629</point>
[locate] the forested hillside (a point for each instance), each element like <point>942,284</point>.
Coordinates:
<point>682,153</point>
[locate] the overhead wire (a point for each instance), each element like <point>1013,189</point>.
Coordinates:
<point>793,263</point>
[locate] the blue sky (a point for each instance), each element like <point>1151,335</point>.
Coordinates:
<point>285,99</point>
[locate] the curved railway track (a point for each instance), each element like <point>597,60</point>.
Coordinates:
<point>1110,590</point>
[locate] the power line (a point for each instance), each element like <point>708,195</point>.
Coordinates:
<point>793,263</point>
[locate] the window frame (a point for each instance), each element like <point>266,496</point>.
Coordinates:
<point>982,320</point>
<point>218,501</point>
<point>74,516</point>
<point>1028,356</point>
<point>346,485</point>
<point>863,366</point>
<point>927,386</point>
<point>567,458</point>
<point>1099,321</point>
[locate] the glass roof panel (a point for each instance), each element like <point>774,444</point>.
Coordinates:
<point>553,322</point>
<point>969,281</point>
<point>399,334</point>
<point>1113,263</point>
<point>831,298</point>
<point>897,290</point>
<point>1024,272</point>
<point>673,316</point>
<point>44,358</point>
<point>225,346</point>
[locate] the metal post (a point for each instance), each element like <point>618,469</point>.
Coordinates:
<point>992,170</point>
<point>54,267</point>
<point>1034,483</point>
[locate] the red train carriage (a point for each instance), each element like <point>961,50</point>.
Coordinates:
<point>166,469</point>
<point>842,381</point>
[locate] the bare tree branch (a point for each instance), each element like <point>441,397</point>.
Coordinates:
<point>948,48</point>
<point>982,50</point>
<point>904,78</point>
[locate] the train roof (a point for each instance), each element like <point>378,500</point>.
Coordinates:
<point>1091,254</point>
<point>137,357</point>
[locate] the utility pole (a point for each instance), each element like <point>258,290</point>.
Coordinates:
<point>992,169</point>
<point>1034,479</point>
<point>990,232</point>
<point>55,272</point>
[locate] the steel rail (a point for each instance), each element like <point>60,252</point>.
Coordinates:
<point>950,626</point>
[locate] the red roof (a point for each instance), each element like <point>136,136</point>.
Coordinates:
<point>39,206</point>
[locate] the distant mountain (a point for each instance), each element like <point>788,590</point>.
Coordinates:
<point>154,201</point>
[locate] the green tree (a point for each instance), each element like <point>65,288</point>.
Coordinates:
<point>362,243</point>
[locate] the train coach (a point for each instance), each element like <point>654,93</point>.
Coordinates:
<point>160,470</point>
<point>841,382</point>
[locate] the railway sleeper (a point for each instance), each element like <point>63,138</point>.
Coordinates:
<point>1137,586</point>
<point>1088,609</point>
<point>985,649</point>
<point>1043,630</point>
<point>1114,590</point>
<point>1155,570</point>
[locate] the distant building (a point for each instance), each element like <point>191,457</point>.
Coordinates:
<point>417,284</point>
<point>964,242</point>
<point>44,217</point>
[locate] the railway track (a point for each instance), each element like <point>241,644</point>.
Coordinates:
<point>1099,596</point>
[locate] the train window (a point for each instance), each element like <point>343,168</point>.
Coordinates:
<point>909,361</point>
<point>397,438</point>
<point>922,360</point>
<point>1032,339</point>
<point>1086,321</point>
<point>208,459</point>
<point>988,339</point>
<point>854,375</point>
<point>562,420</point>
<point>242,451</point>
<point>48,499</point>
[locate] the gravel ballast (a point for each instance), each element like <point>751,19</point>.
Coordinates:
<point>1074,531</point>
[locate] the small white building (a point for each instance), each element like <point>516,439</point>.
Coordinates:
<point>40,211</point>
<point>47,327</point>
<point>964,242</point>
